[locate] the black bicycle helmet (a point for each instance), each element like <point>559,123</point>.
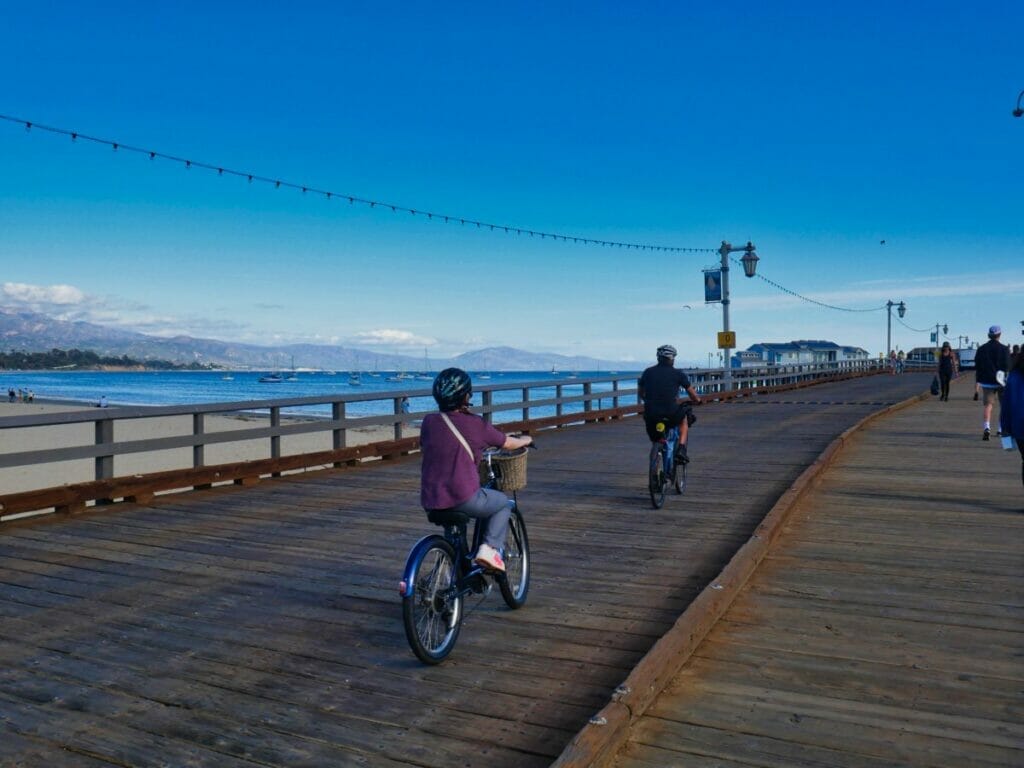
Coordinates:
<point>451,388</point>
<point>667,351</point>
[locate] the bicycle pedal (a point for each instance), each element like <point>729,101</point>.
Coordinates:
<point>478,584</point>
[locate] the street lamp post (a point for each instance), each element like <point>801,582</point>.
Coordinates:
<point>749,260</point>
<point>901,308</point>
<point>938,341</point>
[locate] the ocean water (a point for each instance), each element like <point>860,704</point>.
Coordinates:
<point>191,387</point>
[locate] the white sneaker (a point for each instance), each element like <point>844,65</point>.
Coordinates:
<point>489,557</point>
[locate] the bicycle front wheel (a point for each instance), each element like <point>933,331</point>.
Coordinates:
<point>432,614</point>
<point>515,582</point>
<point>656,475</point>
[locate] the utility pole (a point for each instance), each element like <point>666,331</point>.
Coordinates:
<point>901,308</point>
<point>749,260</point>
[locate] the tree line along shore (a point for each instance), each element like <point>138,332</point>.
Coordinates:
<point>87,360</point>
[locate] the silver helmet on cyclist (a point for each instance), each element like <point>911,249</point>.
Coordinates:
<point>452,388</point>
<point>666,352</point>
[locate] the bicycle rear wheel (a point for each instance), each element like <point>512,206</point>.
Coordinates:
<point>432,614</point>
<point>679,477</point>
<point>515,582</point>
<point>656,475</point>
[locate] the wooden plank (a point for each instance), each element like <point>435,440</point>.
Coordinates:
<point>271,614</point>
<point>884,629</point>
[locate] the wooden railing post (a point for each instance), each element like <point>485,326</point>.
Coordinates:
<point>104,464</point>
<point>398,413</point>
<point>199,450</point>
<point>558,396</point>
<point>587,390</point>
<point>488,400</point>
<point>526,408</point>
<point>338,433</point>
<point>275,440</point>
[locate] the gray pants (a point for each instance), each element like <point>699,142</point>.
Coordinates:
<point>493,507</point>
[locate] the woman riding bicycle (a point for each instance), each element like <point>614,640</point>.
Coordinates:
<point>659,388</point>
<point>452,443</point>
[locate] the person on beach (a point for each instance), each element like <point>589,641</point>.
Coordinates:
<point>990,359</point>
<point>947,366</point>
<point>452,443</point>
<point>1011,412</point>
<point>659,388</point>
<point>892,362</point>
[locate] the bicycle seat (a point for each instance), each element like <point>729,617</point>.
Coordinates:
<point>447,517</point>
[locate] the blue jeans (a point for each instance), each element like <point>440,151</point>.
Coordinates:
<point>493,507</point>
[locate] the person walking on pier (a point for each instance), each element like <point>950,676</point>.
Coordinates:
<point>659,388</point>
<point>1011,412</point>
<point>452,443</point>
<point>991,358</point>
<point>946,370</point>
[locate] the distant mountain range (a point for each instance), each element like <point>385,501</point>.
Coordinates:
<point>35,332</point>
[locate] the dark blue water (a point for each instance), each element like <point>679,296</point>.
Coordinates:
<point>191,387</point>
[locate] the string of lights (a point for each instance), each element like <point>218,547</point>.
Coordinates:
<point>812,301</point>
<point>915,330</point>
<point>351,199</point>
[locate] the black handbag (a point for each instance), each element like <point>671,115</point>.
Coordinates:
<point>935,385</point>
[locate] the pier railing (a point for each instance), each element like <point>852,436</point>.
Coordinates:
<point>101,455</point>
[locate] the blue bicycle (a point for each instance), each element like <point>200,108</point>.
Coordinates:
<point>663,470</point>
<point>440,573</point>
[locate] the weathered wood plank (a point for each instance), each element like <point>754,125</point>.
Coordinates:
<point>270,615</point>
<point>885,627</point>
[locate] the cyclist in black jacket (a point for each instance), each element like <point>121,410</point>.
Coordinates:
<point>659,388</point>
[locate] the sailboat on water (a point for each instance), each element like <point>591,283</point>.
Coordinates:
<point>426,375</point>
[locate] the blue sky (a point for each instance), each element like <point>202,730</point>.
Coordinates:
<point>815,131</point>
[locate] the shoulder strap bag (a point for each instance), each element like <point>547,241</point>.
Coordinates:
<point>458,435</point>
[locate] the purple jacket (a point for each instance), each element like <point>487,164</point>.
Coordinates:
<point>448,476</point>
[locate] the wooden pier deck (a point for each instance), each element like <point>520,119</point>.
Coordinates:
<point>261,626</point>
<point>884,628</point>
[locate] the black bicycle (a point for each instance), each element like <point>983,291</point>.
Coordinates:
<point>662,469</point>
<point>440,572</point>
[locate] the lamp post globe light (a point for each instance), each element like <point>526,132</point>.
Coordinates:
<point>749,262</point>
<point>901,309</point>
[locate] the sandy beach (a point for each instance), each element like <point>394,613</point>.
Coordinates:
<point>27,478</point>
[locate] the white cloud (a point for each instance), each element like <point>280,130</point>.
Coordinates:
<point>43,298</point>
<point>390,337</point>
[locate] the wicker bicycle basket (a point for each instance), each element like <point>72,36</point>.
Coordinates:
<point>509,470</point>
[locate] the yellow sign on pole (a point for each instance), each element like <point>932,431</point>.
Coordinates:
<point>727,340</point>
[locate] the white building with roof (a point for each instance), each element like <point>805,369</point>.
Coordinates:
<point>803,352</point>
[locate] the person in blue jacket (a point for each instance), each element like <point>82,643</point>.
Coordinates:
<point>1011,414</point>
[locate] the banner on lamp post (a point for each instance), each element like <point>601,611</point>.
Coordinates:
<point>712,286</point>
